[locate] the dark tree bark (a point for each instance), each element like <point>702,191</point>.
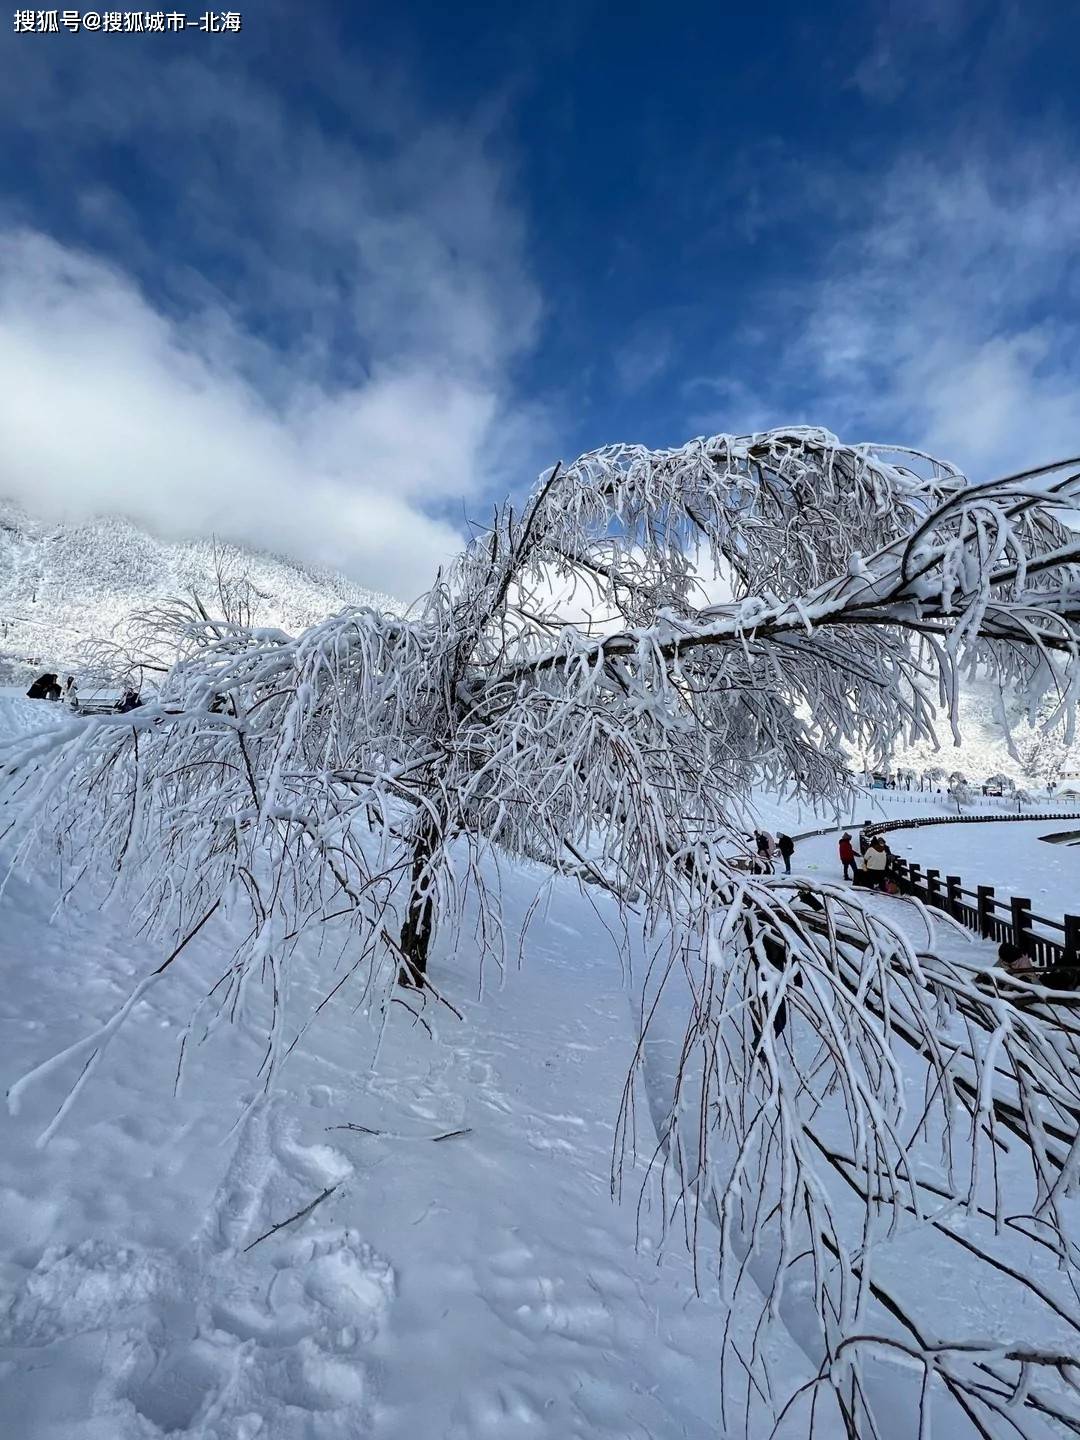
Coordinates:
<point>415,939</point>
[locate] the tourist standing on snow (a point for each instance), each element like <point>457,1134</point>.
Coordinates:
<point>786,845</point>
<point>45,687</point>
<point>876,861</point>
<point>864,838</point>
<point>847,854</point>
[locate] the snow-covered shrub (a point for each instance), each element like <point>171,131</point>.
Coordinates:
<point>961,794</point>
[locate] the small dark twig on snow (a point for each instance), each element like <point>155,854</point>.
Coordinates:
<point>298,1216</point>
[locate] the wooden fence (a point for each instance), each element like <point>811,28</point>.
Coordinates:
<point>980,909</point>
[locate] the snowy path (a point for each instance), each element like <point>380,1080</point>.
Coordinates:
<point>1013,857</point>
<point>480,1285</point>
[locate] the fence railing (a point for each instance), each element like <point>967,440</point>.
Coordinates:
<point>942,800</point>
<point>980,909</point>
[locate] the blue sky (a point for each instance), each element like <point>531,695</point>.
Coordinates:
<point>335,283</point>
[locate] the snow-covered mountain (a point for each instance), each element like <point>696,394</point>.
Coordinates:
<point>61,585</point>
<point>983,750</point>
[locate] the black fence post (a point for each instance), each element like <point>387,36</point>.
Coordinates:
<point>915,876</point>
<point>985,905</point>
<point>1021,920</point>
<point>952,887</point>
<point>1072,939</point>
<point>933,888</point>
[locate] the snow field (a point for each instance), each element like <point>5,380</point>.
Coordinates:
<point>1013,858</point>
<point>481,1284</point>
<point>484,1284</point>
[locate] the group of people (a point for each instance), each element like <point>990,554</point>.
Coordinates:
<point>768,848</point>
<point>47,687</point>
<point>874,860</point>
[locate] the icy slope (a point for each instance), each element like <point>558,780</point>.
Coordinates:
<point>60,585</point>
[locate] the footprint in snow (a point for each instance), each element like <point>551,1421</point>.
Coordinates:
<point>78,1288</point>
<point>275,1347</point>
<point>224,1340</point>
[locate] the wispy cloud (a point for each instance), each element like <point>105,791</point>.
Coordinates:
<point>300,336</point>
<point>906,42</point>
<point>945,316</point>
<point>643,358</point>
<point>950,316</point>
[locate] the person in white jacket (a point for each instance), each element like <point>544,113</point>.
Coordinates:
<point>876,861</point>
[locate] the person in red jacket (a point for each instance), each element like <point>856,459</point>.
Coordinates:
<point>847,854</point>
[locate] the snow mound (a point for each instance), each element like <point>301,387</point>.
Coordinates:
<point>20,716</point>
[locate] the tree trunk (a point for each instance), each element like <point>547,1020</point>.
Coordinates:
<point>415,940</point>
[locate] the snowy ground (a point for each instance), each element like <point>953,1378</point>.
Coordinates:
<point>484,1284</point>
<point>446,1288</point>
<point>1013,858</point>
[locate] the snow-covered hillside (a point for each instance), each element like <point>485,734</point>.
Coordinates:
<point>983,750</point>
<point>62,585</point>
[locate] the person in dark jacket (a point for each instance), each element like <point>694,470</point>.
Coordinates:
<point>1018,962</point>
<point>786,845</point>
<point>847,855</point>
<point>1014,959</point>
<point>864,837</point>
<point>779,957</point>
<point>45,687</point>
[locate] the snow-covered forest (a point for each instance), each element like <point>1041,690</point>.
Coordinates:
<point>375,868</point>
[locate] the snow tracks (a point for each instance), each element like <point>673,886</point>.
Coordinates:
<point>463,1274</point>
<point>230,1336</point>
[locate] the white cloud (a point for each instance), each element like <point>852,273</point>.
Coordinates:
<point>316,358</point>
<point>945,318</point>
<point>950,318</point>
<point>107,407</point>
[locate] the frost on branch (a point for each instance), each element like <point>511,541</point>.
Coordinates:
<point>368,769</point>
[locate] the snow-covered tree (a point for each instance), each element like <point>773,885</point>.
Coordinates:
<point>999,784</point>
<point>1042,756</point>
<point>961,794</point>
<point>374,768</point>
